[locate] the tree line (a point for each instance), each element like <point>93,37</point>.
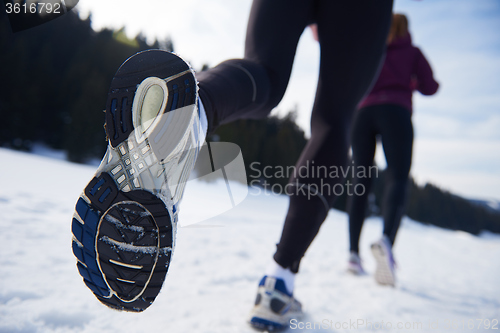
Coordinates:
<point>54,82</point>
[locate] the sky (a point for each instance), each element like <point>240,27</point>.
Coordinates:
<point>457,131</point>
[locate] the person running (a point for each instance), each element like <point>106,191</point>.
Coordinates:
<point>385,113</point>
<point>157,117</point>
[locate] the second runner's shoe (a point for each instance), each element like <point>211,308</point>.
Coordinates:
<point>125,220</point>
<point>274,306</point>
<point>385,271</point>
<point>354,264</point>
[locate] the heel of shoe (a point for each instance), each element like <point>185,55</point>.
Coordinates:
<point>123,242</point>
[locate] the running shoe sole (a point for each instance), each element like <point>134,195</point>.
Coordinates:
<point>264,325</point>
<point>125,220</point>
<point>384,274</point>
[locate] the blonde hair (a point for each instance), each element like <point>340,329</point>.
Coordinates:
<point>399,27</point>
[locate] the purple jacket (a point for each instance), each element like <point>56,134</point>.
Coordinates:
<point>405,69</point>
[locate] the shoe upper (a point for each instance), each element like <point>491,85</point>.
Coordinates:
<point>354,264</point>
<point>274,305</point>
<point>386,244</point>
<point>354,258</point>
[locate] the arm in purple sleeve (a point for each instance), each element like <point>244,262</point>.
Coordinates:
<point>425,80</point>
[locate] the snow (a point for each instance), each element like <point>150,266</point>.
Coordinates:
<point>134,248</point>
<point>443,275</point>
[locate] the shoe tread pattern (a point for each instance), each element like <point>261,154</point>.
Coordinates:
<point>384,275</point>
<point>109,242</point>
<point>124,249</point>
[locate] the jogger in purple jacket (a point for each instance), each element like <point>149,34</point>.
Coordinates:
<point>385,113</point>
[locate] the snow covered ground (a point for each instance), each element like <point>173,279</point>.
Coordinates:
<point>447,279</point>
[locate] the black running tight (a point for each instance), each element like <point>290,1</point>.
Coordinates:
<point>392,123</point>
<point>352,36</point>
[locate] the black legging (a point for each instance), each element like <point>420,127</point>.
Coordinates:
<point>352,37</point>
<point>393,124</point>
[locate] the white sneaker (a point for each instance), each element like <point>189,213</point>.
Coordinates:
<point>354,264</point>
<point>385,271</point>
<point>274,306</point>
<point>125,221</point>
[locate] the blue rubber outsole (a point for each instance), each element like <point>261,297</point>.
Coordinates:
<point>123,253</point>
<point>261,324</point>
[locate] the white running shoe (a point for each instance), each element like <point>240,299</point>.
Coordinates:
<point>385,271</point>
<point>125,221</point>
<point>274,306</point>
<point>354,264</point>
